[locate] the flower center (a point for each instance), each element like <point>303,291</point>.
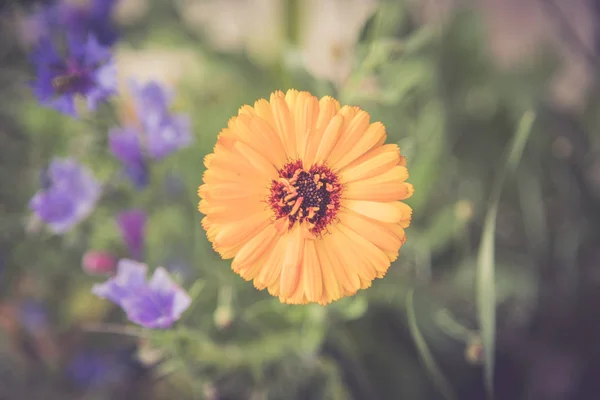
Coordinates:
<point>72,82</point>
<point>300,195</point>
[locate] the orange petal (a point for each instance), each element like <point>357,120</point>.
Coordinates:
<point>370,138</point>
<point>356,123</point>
<point>264,141</point>
<point>270,136</point>
<point>374,231</point>
<point>384,192</point>
<point>330,137</point>
<point>350,257</point>
<point>231,190</point>
<point>332,286</point>
<point>256,160</point>
<point>254,248</point>
<point>225,212</point>
<point>306,112</point>
<point>272,268</point>
<point>241,231</point>
<point>372,256</point>
<point>328,107</point>
<point>393,212</point>
<point>246,110</point>
<point>348,279</point>
<point>310,288</point>
<point>231,162</point>
<point>263,109</point>
<point>292,262</point>
<point>250,271</point>
<point>398,173</point>
<point>284,123</point>
<point>375,162</point>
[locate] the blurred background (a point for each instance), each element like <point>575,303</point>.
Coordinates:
<point>495,290</point>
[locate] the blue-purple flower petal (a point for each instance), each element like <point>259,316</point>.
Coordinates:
<point>160,132</point>
<point>65,104</point>
<point>174,133</point>
<point>124,143</point>
<point>94,53</point>
<point>132,224</point>
<point>154,304</point>
<point>152,101</point>
<point>69,195</point>
<point>78,20</point>
<point>85,70</point>
<point>130,279</point>
<point>55,208</point>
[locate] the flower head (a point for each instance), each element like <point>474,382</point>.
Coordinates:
<point>305,197</point>
<point>154,132</point>
<point>157,303</point>
<point>69,193</point>
<point>165,132</point>
<point>132,225</point>
<point>86,70</point>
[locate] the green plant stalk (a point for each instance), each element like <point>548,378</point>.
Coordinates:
<point>486,290</point>
<point>427,358</point>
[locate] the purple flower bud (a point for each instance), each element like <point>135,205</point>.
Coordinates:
<point>132,224</point>
<point>124,143</point>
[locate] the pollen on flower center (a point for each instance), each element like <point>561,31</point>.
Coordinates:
<point>300,195</point>
<point>74,82</point>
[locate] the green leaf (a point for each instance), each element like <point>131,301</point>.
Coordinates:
<point>426,357</point>
<point>486,282</point>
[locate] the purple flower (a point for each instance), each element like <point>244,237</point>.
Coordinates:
<point>130,279</point>
<point>165,132</point>
<point>124,143</point>
<point>158,134</point>
<point>170,135</point>
<point>132,225</point>
<point>157,303</point>
<point>79,20</point>
<point>152,101</point>
<point>87,70</point>
<point>69,194</point>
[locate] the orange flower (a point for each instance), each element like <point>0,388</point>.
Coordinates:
<point>304,196</point>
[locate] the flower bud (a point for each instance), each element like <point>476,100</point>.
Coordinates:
<point>98,262</point>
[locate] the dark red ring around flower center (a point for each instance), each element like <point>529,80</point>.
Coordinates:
<point>306,196</point>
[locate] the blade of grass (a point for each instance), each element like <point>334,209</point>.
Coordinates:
<point>434,371</point>
<point>486,290</point>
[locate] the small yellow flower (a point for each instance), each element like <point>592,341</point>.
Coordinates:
<point>305,197</point>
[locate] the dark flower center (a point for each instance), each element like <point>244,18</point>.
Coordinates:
<point>311,196</point>
<point>74,82</point>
